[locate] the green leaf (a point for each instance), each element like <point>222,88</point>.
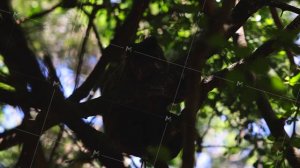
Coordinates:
<point>6,87</point>
<point>294,79</point>
<point>277,84</point>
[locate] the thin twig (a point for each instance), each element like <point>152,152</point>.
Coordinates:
<point>98,38</point>
<point>56,144</point>
<point>224,146</point>
<point>101,48</point>
<point>41,14</point>
<point>83,46</point>
<point>209,125</point>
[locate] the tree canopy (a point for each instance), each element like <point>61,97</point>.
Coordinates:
<point>149,83</point>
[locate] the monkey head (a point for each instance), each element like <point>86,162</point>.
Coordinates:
<point>146,59</point>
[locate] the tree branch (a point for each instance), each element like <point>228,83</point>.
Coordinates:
<point>98,38</point>
<point>240,14</point>
<point>284,6</point>
<point>18,61</point>
<point>263,51</point>
<point>52,72</point>
<point>41,14</point>
<point>124,35</point>
<point>83,45</point>
<point>280,26</point>
<point>276,127</point>
<point>18,57</point>
<point>242,11</point>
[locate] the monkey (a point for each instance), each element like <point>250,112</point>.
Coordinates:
<point>146,67</point>
<point>137,92</point>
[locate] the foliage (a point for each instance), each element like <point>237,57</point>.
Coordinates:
<point>231,127</point>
